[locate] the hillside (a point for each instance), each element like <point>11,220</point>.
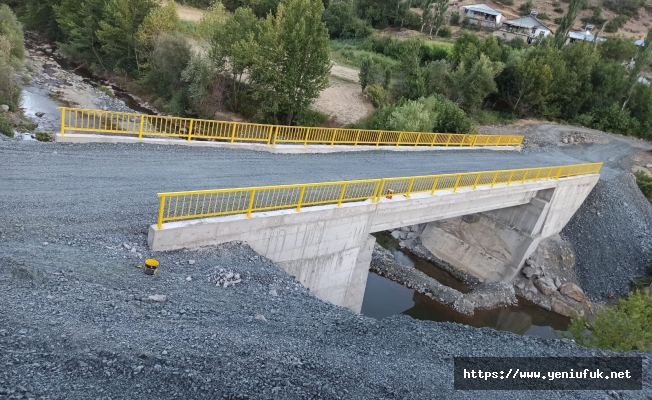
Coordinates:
<point>635,27</point>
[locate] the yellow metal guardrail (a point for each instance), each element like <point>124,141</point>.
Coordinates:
<point>178,206</point>
<point>76,119</point>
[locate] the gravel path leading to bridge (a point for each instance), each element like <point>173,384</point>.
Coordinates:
<point>76,322</point>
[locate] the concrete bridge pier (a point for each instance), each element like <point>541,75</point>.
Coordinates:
<point>493,245</point>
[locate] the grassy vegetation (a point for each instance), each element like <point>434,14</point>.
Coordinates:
<point>491,117</point>
<point>350,54</point>
<point>189,28</point>
<point>106,91</point>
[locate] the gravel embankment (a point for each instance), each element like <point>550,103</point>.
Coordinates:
<point>75,321</point>
<point>611,236</point>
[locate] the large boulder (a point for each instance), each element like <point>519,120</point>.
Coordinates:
<point>4,107</point>
<point>545,285</point>
<point>573,291</point>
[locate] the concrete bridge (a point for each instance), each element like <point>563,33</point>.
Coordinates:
<point>328,246</point>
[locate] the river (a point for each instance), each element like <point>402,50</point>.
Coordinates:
<point>384,297</point>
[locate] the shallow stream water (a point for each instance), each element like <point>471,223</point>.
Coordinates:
<point>384,297</point>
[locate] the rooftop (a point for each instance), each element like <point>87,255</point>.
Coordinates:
<point>483,8</point>
<point>587,36</point>
<point>527,22</point>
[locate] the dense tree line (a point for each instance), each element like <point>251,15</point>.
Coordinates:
<point>12,52</point>
<point>268,63</point>
<point>595,85</point>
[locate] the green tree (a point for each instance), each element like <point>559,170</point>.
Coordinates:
<point>160,20</point>
<point>641,64</point>
<point>214,16</point>
<point>372,73</point>
<point>79,23</point>
<point>435,15</point>
<point>11,57</point>
<point>342,21</point>
<point>525,83</point>
<point>622,327</point>
<point>234,48</point>
<point>293,63</point>
<point>40,16</point>
<point>567,22</point>
<point>472,84</point>
<point>118,33</point>
<point>10,29</point>
<point>169,58</point>
<point>617,48</point>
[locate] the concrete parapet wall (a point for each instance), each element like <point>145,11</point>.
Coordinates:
<point>278,149</point>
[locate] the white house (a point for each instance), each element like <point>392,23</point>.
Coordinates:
<point>527,28</point>
<point>586,36</point>
<point>482,14</point>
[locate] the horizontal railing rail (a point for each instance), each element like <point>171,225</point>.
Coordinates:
<point>83,120</point>
<point>179,206</point>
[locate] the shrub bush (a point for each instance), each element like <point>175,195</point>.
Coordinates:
<point>445,32</point>
<point>5,126</point>
<point>310,117</point>
<point>558,10</point>
<point>644,183</point>
<point>377,95</point>
<point>455,18</point>
<point>622,327</point>
<point>412,20</point>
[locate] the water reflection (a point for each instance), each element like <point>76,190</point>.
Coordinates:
<point>384,297</point>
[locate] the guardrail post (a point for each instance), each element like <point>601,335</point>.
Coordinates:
<point>271,133</point>
<point>558,173</point>
<point>475,184</point>
<point>275,135</point>
<point>161,209</point>
<point>417,141</point>
<point>450,136</point>
<point>407,195</point>
<point>457,182</point>
<point>303,190</point>
<point>399,138</point>
<point>380,190</point>
<point>475,139</point>
<point>233,132</point>
<point>305,141</point>
<point>333,138</point>
<point>435,136</point>
<point>142,123</point>
<point>63,121</point>
<point>537,177</point>
<point>525,176</point>
<point>251,202</point>
<point>357,135</point>
<point>342,192</point>
<point>493,181</point>
<point>380,134</point>
<point>434,186</point>
<point>190,129</point>
<point>376,190</point>
<point>510,178</point>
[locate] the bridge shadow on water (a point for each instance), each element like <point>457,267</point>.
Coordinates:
<point>384,297</point>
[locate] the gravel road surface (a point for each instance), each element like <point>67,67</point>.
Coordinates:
<point>76,322</point>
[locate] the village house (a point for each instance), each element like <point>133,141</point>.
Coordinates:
<point>482,14</point>
<point>527,28</point>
